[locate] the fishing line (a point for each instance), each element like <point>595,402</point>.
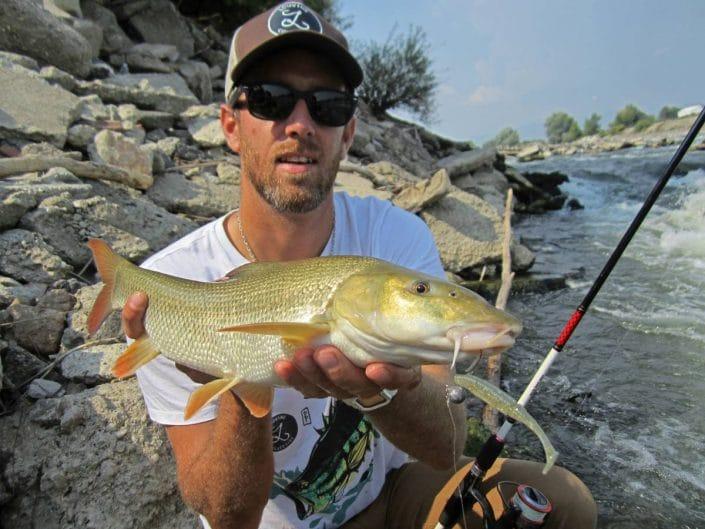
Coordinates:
<point>492,448</point>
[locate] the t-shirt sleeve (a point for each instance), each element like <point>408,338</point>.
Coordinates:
<point>404,239</point>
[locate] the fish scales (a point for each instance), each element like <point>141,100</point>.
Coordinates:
<point>263,292</point>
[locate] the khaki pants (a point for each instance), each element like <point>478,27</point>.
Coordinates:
<point>414,495</point>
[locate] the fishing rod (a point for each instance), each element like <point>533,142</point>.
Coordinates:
<point>468,493</point>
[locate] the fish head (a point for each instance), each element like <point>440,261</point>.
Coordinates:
<point>412,313</point>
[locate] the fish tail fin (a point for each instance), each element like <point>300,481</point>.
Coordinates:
<point>206,393</point>
<point>257,398</point>
<point>135,356</point>
<point>106,261</point>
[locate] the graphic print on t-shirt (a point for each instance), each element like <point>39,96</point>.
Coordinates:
<point>344,440</point>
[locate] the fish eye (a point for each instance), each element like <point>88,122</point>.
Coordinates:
<point>453,294</point>
<point>421,287</point>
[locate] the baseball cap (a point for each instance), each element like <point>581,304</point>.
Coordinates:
<point>287,25</point>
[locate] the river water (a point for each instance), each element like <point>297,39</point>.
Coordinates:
<point>624,401</point>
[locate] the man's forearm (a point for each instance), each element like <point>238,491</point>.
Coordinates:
<point>420,422</point>
<point>229,478</point>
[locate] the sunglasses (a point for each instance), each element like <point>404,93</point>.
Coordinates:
<point>274,102</point>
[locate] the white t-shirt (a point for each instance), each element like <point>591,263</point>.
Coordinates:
<point>329,461</point>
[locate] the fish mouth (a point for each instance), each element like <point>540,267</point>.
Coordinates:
<point>482,338</point>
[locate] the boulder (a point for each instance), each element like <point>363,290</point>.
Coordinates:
<point>86,448</point>
<point>202,196</point>
<point>203,123</point>
<point>20,365</point>
<point>530,153</point>
<point>198,77</point>
<point>22,95</point>
<point>92,32</point>
<point>41,388</point>
<point>388,173</point>
<point>161,23</point>
<point>36,328</point>
<point>116,149</point>
<point>114,38</point>
<point>467,230</point>
<point>416,197</point>
<point>92,365</point>
<point>27,28</point>
<point>13,206</point>
<point>358,186</point>
<point>467,161</point>
<point>25,257</point>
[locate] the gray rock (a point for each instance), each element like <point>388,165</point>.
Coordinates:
<point>20,365</point>
<point>488,184</point>
<point>467,230</point>
<point>391,174</point>
<point>172,83</point>
<point>530,153</point>
<point>161,23</point>
<point>27,29</point>
<point>22,95</point>
<point>141,63</point>
<point>198,78</point>
<point>468,161</point>
<point>168,145</point>
<point>80,135</point>
<point>416,197</point>
<point>161,52</point>
<point>63,8</point>
<point>49,150</point>
<point>522,257</point>
<point>92,366</point>
<point>153,119</point>
<point>199,196</point>
<point>228,172</point>
<point>78,319</point>
<point>37,329</point>
<point>115,149</point>
<point>13,206</point>
<point>57,299</point>
<point>55,76</point>
<point>41,388</point>
<point>25,294</point>
<point>46,412</point>
<point>106,445</point>
<point>25,257</point>
<point>114,38</point>
<point>358,186</point>
<point>9,59</point>
<point>92,32</point>
<point>203,124</point>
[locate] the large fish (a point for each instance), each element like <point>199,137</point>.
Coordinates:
<point>236,330</point>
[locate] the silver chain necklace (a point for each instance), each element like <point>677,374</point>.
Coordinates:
<point>253,257</point>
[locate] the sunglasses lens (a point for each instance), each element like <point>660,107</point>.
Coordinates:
<point>270,101</point>
<point>331,108</point>
<point>273,102</point>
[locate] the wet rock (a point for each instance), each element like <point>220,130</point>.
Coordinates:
<point>416,197</point>
<point>41,388</point>
<point>102,428</point>
<point>468,161</point>
<point>522,257</point>
<point>37,328</point>
<point>13,206</point>
<point>27,28</point>
<point>115,149</point>
<point>161,23</point>
<point>467,230</point>
<point>22,95</point>
<point>574,204</point>
<point>26,257</point>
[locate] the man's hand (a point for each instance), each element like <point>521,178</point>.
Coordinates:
<point>326,371</point>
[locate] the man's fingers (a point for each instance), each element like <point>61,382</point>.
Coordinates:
<point>393,377</point>
<point>133,315</point>
<point>290,374</point>
<point>343,374</point>
<point>307,363</point>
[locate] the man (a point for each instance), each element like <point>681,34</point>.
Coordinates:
<point>315,461</point>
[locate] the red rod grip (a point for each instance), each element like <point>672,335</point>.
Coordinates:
<point>568,329</point>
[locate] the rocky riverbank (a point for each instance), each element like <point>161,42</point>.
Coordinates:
<point>112,131</point>
<point>660,134</point>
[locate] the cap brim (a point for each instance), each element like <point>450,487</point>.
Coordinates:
<point>348,66</point>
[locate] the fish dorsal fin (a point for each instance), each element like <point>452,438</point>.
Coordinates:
<point>256,397</point>
<point>135,356</point>
<point>249,269</point>
<point>207,393</point>
<point>298,334</point>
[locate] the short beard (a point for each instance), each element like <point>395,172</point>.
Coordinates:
<point>309,197</point>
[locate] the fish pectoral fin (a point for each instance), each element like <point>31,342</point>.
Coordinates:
<point>135,356</point>
<point>297,334</point>
<point>256,397</point>
<point>207,393</point>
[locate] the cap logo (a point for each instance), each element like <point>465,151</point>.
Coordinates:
<point>293,16</point>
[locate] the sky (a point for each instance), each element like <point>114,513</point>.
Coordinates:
<point>511,63</point>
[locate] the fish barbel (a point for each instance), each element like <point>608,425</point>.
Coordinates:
<point>236,330</point>
<point>505,404</point>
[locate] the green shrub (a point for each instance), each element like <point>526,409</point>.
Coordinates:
<point>560,128</point>
<point>629,116</point>
<point>398,74</point>
<point>668,112</point>
<point>644,123</point>
<point>507,137</point>
<point>592,125</point>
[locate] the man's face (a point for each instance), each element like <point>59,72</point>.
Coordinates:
<point>272,153</point>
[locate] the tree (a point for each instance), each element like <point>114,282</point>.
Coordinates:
<point>668,112</point>
<point>560,127</point>
<point>630,116</point>
<point>592,125</point>
<point>506,137</point>
<point>398,74</point>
